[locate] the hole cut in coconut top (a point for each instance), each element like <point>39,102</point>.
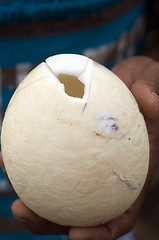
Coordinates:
<point>73,86</point>
<point>73,73</point>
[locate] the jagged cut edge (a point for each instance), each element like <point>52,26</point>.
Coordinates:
<point>76,65</point>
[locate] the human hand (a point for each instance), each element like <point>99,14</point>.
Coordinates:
<point>141,75</point>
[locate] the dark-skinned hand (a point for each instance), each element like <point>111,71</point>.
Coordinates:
<point>141,75</point>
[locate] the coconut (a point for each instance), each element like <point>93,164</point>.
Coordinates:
<point>74,143</point>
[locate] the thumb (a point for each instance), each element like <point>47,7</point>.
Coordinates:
<point>146,92</point>
<point>35,223</point>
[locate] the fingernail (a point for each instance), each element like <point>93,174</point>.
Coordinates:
<point>155,94</point>
<point>21,219</point>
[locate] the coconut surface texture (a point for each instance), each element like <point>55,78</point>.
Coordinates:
<point>74,143</point>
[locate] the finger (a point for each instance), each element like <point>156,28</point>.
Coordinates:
<point>141,75</point>
<point>146,92</point>
<point>135,67</point>
<point>110,231</point>
<point>121,225</point>
<point>35,223</point>
<point>1,161</point>
<point>125,223</point>
<point>113,229</point>
<point>90,233</point>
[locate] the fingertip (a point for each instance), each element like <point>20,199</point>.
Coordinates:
<point>89,233</point>
<point>147,99</point>
<point>77,233</point>
<point>15,206</point>
<point>23,213</point>
<point>19,210</point>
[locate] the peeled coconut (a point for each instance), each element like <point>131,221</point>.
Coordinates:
<point>74,143</point>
